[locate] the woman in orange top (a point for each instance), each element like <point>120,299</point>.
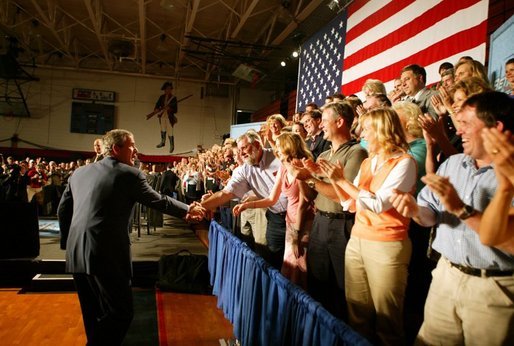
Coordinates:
<point>378,252</point>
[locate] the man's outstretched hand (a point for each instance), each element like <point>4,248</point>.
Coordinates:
<point>195,213</point>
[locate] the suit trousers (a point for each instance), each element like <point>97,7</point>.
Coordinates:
<point>462,309</point>
<point>375,282</point>
<point>325,261</point>
<point>107,307</point>
<point>275,238</point>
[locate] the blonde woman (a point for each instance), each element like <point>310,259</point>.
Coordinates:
<point>275,123</point>
<point>378,252</point>
<point>466,69</point>
<point>372,87</point>
<point>409,114</point>
<point>299,215</point>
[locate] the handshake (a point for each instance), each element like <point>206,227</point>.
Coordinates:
<point>196,213</point>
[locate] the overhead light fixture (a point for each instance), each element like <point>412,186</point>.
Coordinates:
<point>295,54</point>
<point>167,4</point>
<point>283,63</point>
<point>333,5</point>
<point>338,5</point>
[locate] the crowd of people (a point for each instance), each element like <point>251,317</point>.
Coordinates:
<point>42,182</point>
<point>346,199</point>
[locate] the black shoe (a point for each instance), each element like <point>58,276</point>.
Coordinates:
<point>172,143</point>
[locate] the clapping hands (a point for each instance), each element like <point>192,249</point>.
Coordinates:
<point>500,147</point>
<point>445,191</point>
<point>304,169</point>
<point>334,172</point>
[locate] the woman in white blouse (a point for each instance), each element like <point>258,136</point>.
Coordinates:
<point>378,252</point>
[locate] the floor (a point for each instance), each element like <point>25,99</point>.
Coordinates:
<point>173,237</point>
<point>54,318</point>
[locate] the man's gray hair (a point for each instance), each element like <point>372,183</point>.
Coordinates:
<point>115,137</point>
<point>252,136</point>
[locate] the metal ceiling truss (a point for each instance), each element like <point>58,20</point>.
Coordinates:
<point>192,40</point>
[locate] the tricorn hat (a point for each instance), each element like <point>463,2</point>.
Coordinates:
<point>166,84</point>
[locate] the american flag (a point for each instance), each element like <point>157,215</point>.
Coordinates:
<point>321,59</point>
<point>384,36</point>
<point>380,37</point>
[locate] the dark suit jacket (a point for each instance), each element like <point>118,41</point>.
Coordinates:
<point>424,102</point>
<point>97,158</point>
<point>94,215</point>
<point>168,182</point>
<point>320,145</point>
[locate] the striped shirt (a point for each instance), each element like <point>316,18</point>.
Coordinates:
<point>454,240</point>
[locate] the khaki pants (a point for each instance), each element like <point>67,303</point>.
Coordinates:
<point>462,309</point>
<point>375,282</point>
<point>254,222</point>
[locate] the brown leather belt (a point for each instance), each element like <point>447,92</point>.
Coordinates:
<point>343,215</point>
<point>481,272</point>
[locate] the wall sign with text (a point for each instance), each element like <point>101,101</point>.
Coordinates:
<point>93,95</point>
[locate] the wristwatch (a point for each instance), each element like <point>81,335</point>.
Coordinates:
<point>311,183</point>
<point>466,212</point>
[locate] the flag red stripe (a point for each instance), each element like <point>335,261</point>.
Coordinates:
<point>376,18</point>
<point>452,45</point>
<point>423,22</point>
<point>355,6</point>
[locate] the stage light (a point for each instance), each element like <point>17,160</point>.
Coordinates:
<point>295,54</point>
<point>283,63</point>
<point>334,5</point>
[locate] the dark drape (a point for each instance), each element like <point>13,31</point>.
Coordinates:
<point>263,306</point>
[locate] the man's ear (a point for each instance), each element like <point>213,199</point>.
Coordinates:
<point>500,126</point>
<point>340,121</point>
<point>115,150</point>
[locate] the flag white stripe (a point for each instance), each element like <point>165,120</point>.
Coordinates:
<point>364,11</point>
<point>459,21</point>
<point>478,53</point>
<point>433,69</point>
<point>388,26</point>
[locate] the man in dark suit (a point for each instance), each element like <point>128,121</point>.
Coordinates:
<point>169,181</point>
<point>315,142</point>
<point>97,145</point>
<point>414,78</point>
<point>94,215</point>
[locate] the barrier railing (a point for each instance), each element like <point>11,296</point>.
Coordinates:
<point>264,307</point>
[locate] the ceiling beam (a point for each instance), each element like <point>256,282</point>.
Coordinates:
<point>229,7</point>
<point>271,27</point>
<point>244,18</point>
<point>142,33</point>
<point>95,14</point>
<point>306,12</point>
<point>4,11</point>
<point>190,20</point>
<point>48,20</point>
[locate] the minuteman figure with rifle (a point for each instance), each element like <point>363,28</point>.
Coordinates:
<point>165,109</point>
